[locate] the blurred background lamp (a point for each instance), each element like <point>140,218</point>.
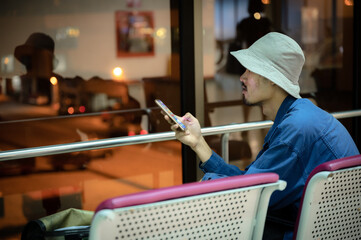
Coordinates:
<point>54,80</point>
<point>82,109</point>
<point>161,33</point>
<point>257,15</point>
<point>348,2</point>
<point>71,110</point>
<point>117,72</point>
<point>143,132</point>
<point>7,63</point>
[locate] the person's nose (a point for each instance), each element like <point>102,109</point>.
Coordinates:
<point>243,77</point>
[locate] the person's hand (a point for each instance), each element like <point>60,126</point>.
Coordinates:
<point>192,135</point>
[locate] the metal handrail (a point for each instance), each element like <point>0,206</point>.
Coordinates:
<point>139,139</point>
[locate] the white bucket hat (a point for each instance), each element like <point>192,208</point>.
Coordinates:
<point>276,57</point>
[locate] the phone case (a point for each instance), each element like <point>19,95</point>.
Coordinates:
<point>170,114</point>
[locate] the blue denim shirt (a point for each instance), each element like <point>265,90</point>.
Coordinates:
<point>302,137</point>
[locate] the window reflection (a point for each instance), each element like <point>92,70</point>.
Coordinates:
<point>62,81</point>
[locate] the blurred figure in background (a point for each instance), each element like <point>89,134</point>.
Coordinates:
<point>37,55</point>
<point>249,30</point>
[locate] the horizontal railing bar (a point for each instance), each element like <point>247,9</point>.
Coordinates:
<point>347,114</point>
<point>139,139</point>
<point>80,115</point>
<point>84,146</point>
<point>236,127</point>
<point>230,103</point>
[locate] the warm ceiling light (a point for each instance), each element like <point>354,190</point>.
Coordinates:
<point>266,2</point>
<point>54,80</point>
<point>161,33</point>
<point>117,71</point>
<point>257,15</point>
<point>348,2</point>
<point>71,110</point>
<point>73,32</point>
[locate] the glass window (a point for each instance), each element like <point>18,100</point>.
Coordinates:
<point>74,71</point>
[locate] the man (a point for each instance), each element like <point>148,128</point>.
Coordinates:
<point>37,55</point>
<point>302,136</point>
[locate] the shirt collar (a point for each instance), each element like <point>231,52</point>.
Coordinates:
<point>286,104</point>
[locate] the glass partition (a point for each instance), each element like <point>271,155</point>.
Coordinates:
<point>75,71</point>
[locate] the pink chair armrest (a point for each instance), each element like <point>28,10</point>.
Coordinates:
<point>336,164</point>
<point>188,189</point>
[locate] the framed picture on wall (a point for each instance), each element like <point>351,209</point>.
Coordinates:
<point>134,33</point>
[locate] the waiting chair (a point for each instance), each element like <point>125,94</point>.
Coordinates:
<point>227,208</point>
<point>331,204</point>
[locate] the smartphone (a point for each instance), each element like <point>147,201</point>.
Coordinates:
<point>170,114</point>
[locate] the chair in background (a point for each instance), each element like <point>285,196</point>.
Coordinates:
<point>330,207</point>
<point>168,91</point>
<point>227,208</point>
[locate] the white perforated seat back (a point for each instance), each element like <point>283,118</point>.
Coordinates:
<point>230,214</point>
<point>332,206</point>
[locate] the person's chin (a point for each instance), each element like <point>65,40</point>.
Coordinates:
<point>249,102</point>
<point>245,99</point>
